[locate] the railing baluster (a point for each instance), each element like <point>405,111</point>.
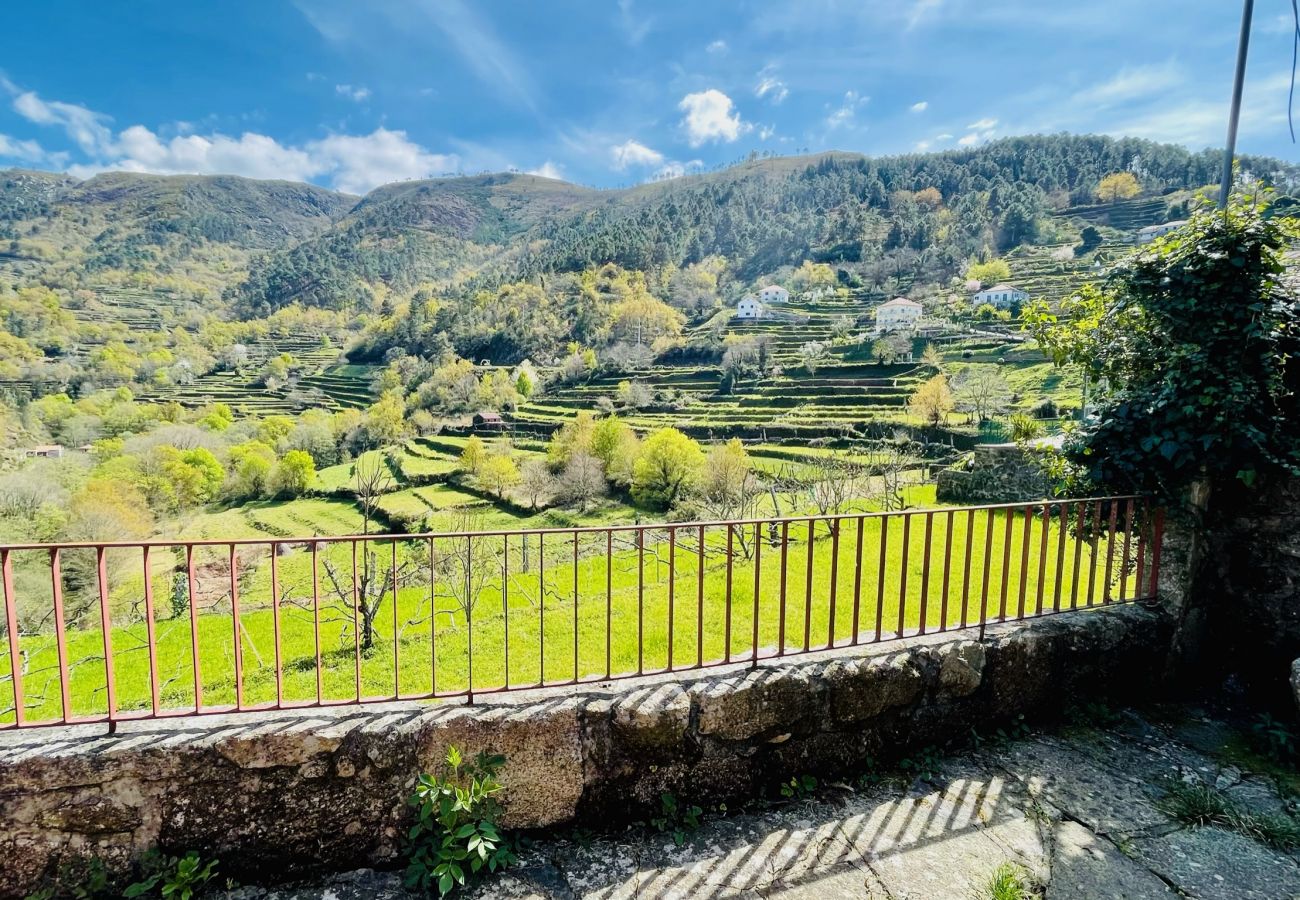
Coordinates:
<point>469,620</point>
<point>1079,526</point>
<point>1009,515</point>
<point>988,568</point>
<point>1128,547</point>
<point>194,627</point>
<point>609,600</point>
<point>758,575</point>
<point>397,665</point>
<point>808,585</point>
<point>857,580</point>
<point>315,617</point>
<point>880,579</point>
<point>785,554</point>
<point>275,623</point>
<point>1139,583</point>
<point>1025,534</point>
<point>505,607</point>
<point>356,612</point>
<point>925,571</point>
<point>965,574</point>
<point>672,589</point>
<point>541,608</point>
<point>1096,549</point>
<point>234,616</point>
<point>902,575</point>
<point>726,627</point>
<point>947,563</point>
<point>61,637</point>
<point>1110,550</point>
<point>1042,560</point>
<point>13,636</point>
<point>1062,527</point>
<point>575,607</point>
<point>105,623</point>
<point>640,601</point>
<point>835,578</point>
<point>151,636</point>
<point>433,614</point>
<point>699,599</point>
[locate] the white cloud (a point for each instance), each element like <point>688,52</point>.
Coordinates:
<point>718,46</point>
<point>980,131</point>
<point>137,149</point>
<point>982,124</point>
<point>634,153</point>
<point>26,151</point>
<point>674,169</point>
<point>766,131</point>
<point>920,106</point>
<point>357,94</point>
<point>847,111</point>
<point>710,116</point>
<point>943,137</point>
<point>969,140</point>
<point>88,129</point>
<point>357,164</point>
<point>549,169</point>
<point>769,84</point>
<point>923,145</point>
<point>1131,83</point>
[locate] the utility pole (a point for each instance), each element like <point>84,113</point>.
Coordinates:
<point>1234,113</point>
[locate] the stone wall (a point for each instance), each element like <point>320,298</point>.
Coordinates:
<point>994,473</point>
<point>1251,586</point>
<point>291,793</point>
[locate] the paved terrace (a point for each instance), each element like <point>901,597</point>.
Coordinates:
<point>1081,809</point>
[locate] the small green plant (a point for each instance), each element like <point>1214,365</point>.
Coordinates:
<point>800,787</point>
<point>925,764</point>
<point>175,878</point>
<point>455,838</point>
<point>1273,738</point>
<point>1008,882</point>
<point>1198,805</point>
<point>676,818</point>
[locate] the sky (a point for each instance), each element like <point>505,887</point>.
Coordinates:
<point>351,94</point>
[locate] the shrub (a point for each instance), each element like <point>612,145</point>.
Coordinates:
<point>455,839</point>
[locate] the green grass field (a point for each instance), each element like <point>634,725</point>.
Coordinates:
<point>552,616</point>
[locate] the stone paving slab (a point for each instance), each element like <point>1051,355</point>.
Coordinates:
<point>1079,811</point>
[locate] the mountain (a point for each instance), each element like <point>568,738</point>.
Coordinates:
<point>887,222</point>
<point>195,234</point>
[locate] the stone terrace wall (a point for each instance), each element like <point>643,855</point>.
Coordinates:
<point>290,793</point>
<point>996,473</point>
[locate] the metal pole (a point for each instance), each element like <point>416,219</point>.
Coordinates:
<point>1243,44</point>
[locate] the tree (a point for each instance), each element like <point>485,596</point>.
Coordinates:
<point>615,444</point>
<point>582,480</point>
<point>499,474</point>
<point>633,394</point>
<point>666,468</point>
<point>385,421</point>
<point>536,481</point>
<point>813,354</point>
<point>1190,347</point>
<point>1118,186</point>
<point>295,474</point>
<point>982,391</point>
<point>931,357</point>
<point>728,489</point>
<point>932,401</point>
<point>473,456</point>
<point>990,272</point>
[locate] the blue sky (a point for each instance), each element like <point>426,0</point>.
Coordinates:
<point>355,93</point>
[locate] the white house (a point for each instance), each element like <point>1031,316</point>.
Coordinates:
<point>897,315</point>
<point>773,294</point>
<point>1001,296</point>
<point>1151,232</point>
<point>749,307</point>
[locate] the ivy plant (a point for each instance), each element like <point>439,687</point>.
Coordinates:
<point>1189,347</point>
<point>455,838</point>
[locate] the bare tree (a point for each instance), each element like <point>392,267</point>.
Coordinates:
<point>535,481</point>
<point>583,480</point>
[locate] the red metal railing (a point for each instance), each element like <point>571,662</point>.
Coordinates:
<point>109,632</point>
